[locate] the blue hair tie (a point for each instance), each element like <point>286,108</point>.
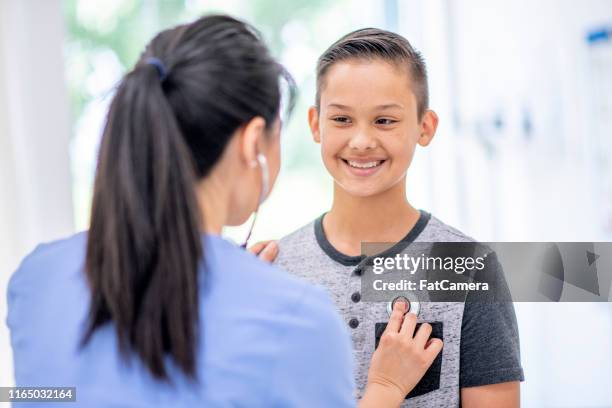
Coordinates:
<point>161,69</point>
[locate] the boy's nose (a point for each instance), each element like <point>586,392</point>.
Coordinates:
<point>362,141</point>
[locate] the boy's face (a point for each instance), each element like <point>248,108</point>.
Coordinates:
<point>368,125</point>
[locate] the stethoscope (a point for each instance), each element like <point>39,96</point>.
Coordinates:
<point>265,185</point>
<point>414,306</point>
<point>410,298</point>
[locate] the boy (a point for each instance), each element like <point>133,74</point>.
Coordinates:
<point>371,110</point>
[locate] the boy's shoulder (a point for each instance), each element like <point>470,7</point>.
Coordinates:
<point>305,235</point>
<point>438,231</point>
<point>299,248</point>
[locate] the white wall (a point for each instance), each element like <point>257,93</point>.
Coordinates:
<point>488,57</point>
<point>35,188</point>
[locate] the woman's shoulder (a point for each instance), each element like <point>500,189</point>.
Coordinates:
<point>69,245</point>
<point>49,259</point>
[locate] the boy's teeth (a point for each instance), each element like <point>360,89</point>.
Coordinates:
<point>363,165</point>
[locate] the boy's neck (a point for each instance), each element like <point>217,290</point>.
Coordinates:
<point>385,217</point>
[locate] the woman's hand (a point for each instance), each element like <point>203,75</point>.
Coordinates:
<point>400,361</point>
<point>265,250</point>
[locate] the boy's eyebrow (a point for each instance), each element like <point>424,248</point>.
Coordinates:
<point>339,106</point>
<point>379,107</point>
<point>389,106</point>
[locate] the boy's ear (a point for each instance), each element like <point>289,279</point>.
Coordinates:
<point>313,122</point>
<point>429,124</point>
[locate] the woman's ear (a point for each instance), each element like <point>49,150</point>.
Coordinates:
<point>313,122</point>
<point>429,124</point>
<point>250,139</point>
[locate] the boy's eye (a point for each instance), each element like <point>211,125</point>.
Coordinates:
<point>385,121</point>
<point>341,119</point>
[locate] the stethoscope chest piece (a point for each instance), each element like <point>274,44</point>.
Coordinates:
<point>413,304</point>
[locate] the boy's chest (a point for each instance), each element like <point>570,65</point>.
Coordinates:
<point>366,320</point>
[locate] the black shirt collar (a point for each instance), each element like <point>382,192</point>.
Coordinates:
<point>347,260</point>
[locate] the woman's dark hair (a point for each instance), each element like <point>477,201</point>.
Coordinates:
<point>167,126</point>
<point>370,43</point>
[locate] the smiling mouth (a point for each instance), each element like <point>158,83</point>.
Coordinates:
<point>363,165</point>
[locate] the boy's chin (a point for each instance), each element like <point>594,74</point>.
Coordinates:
<point>361,191</point>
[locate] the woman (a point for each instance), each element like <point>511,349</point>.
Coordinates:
<point>152,307</point>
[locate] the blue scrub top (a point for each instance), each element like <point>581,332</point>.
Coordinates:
<point>267,339</point>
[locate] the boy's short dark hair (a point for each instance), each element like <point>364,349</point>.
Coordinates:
<point>370,43</point>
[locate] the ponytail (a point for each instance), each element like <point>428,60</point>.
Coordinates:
<point>144,245</point>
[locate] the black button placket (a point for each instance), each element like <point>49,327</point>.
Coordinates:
<point>356,308</point>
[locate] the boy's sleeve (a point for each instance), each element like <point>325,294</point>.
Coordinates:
<point>490,350</point>
<point>315,367</point>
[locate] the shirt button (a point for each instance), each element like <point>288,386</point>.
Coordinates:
<point>353,323</point>
<point>358,271</point>
<point>356,297</point>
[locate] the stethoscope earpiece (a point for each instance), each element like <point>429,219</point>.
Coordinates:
<point>265,177</point>
<point>265,186</point>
